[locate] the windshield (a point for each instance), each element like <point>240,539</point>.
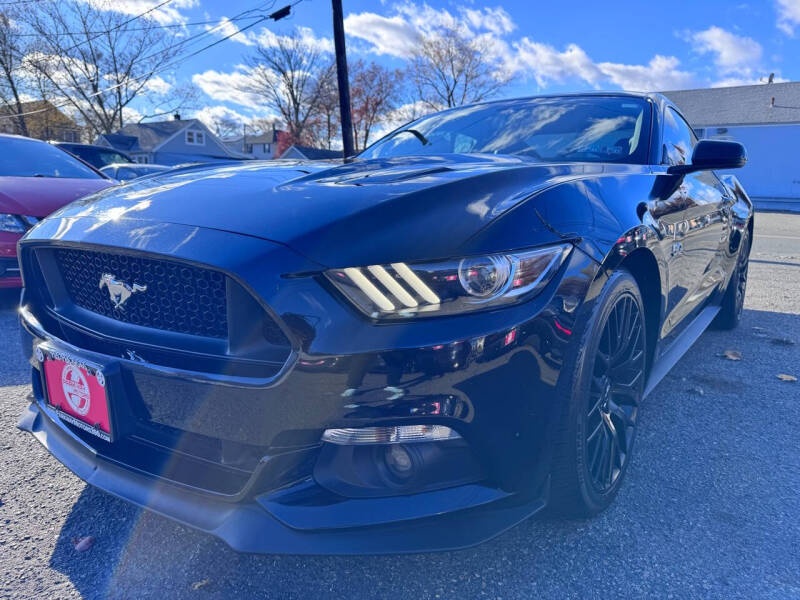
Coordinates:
<point>24,157</point>
<point>97,157</point>
<point>570,128</point>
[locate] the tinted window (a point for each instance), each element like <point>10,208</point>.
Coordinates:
<point>593,128</point>
<point>126,173</point>
<point>679,139</point>
<point>97,157</point>
<point>29,158</point>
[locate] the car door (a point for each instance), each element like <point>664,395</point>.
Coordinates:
<point>690,214</point>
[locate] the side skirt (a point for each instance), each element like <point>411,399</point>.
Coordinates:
<point>679,347</point>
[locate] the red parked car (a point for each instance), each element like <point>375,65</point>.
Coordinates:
<point>35,180</point>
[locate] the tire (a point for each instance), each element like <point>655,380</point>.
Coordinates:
<point>730,312</point>
<point>597,424</point>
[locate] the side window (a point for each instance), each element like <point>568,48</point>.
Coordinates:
<point>679,139</point>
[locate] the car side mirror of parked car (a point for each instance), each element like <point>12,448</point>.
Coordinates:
<point>713,154</point>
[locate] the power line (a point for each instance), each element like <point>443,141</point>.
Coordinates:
<point>168,26</point>
<point>19,2</point>
<point>189,41</point>
<point>118,26</point>
<point>154,73</point>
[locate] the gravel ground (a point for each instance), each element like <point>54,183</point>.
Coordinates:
<point>709,509</point>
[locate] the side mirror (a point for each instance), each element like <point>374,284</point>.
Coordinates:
<point>713,154</point>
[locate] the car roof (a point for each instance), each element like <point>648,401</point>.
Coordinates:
<point>77,145</point>
<point>20,137</point>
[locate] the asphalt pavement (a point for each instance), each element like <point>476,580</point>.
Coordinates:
<point>710,508</point>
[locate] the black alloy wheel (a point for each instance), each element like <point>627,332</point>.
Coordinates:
<point>743,263</point>
<point>602,385</point>
<point>615,390</point>
<point>732,304</point>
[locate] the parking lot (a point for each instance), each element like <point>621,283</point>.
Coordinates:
<point>709,509</point>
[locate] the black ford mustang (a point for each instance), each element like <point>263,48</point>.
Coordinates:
<point>413,350</point>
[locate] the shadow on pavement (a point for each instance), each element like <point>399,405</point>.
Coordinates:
<point>15,370</point>
<point>690,515</point>
<point>9,299</point>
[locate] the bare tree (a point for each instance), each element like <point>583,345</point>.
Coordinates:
<point>12,82</point>
<point>226,126</point>
<point>287,74</point>
<point>98,61</point>
<point>326,118</point>
<point>451,68</point>
<point>374,90</point>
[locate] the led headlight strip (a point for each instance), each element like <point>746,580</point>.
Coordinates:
<point>392,286</point>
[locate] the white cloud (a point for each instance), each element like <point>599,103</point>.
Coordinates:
<point>732,53</point>
<point>398,35</point>
<point>388,35</point>
<point>545,64</point>
<point>211,115</point>
<point>227,87</point>
<point>788,15</point>
<point>496,20</point>
<point>158,85</point>
<point>226,28</point>
<point>661,73</point>
<point>266,37</point>
<point>131,115</point>
<point>166,15</point>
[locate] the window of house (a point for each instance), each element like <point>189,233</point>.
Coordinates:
<point>195,138</point>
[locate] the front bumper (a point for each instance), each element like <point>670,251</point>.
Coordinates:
<point>9,267</point>
<point>252,481</point>
<point>250,527</point>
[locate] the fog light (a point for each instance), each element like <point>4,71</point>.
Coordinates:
<point>398,461</point>
<point>389,435</point>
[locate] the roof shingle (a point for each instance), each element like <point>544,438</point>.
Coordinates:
<point>740,105</point>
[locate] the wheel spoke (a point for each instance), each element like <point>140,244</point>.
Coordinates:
<point>616,387</point>
<point>629,391</point>
<point>612,455</point>
<point>597,452</point>
<point>619,412</point>
<point>595,432</point>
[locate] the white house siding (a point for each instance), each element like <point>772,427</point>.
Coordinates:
<point>772,172</point>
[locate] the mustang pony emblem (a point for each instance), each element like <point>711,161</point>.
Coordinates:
<point>119,290</point>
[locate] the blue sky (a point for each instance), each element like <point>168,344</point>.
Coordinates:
<point>549,46</point>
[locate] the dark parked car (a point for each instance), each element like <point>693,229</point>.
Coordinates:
<point>97,156</point>
<point>35,180</point>
<point>411,351</point>
<point>124,172</point>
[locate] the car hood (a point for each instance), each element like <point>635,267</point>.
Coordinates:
<point>40,196</point>
<point>377,210</point>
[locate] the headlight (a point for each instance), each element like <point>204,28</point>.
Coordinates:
<point>400,290</point>
<point>11,223</point>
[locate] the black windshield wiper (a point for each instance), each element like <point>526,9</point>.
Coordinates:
<point>413,132</point>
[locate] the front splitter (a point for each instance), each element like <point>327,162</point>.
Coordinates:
<point>248,527</point>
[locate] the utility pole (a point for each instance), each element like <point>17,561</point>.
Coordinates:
<point>342,78</point>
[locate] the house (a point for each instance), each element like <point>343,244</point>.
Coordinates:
<point>309,153</point>
<point>45,122</point>
<point>170,142</point>
<point>262,146</point>
<point>766,119</point>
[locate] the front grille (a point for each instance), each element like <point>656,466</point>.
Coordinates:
<point>179,298</point>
